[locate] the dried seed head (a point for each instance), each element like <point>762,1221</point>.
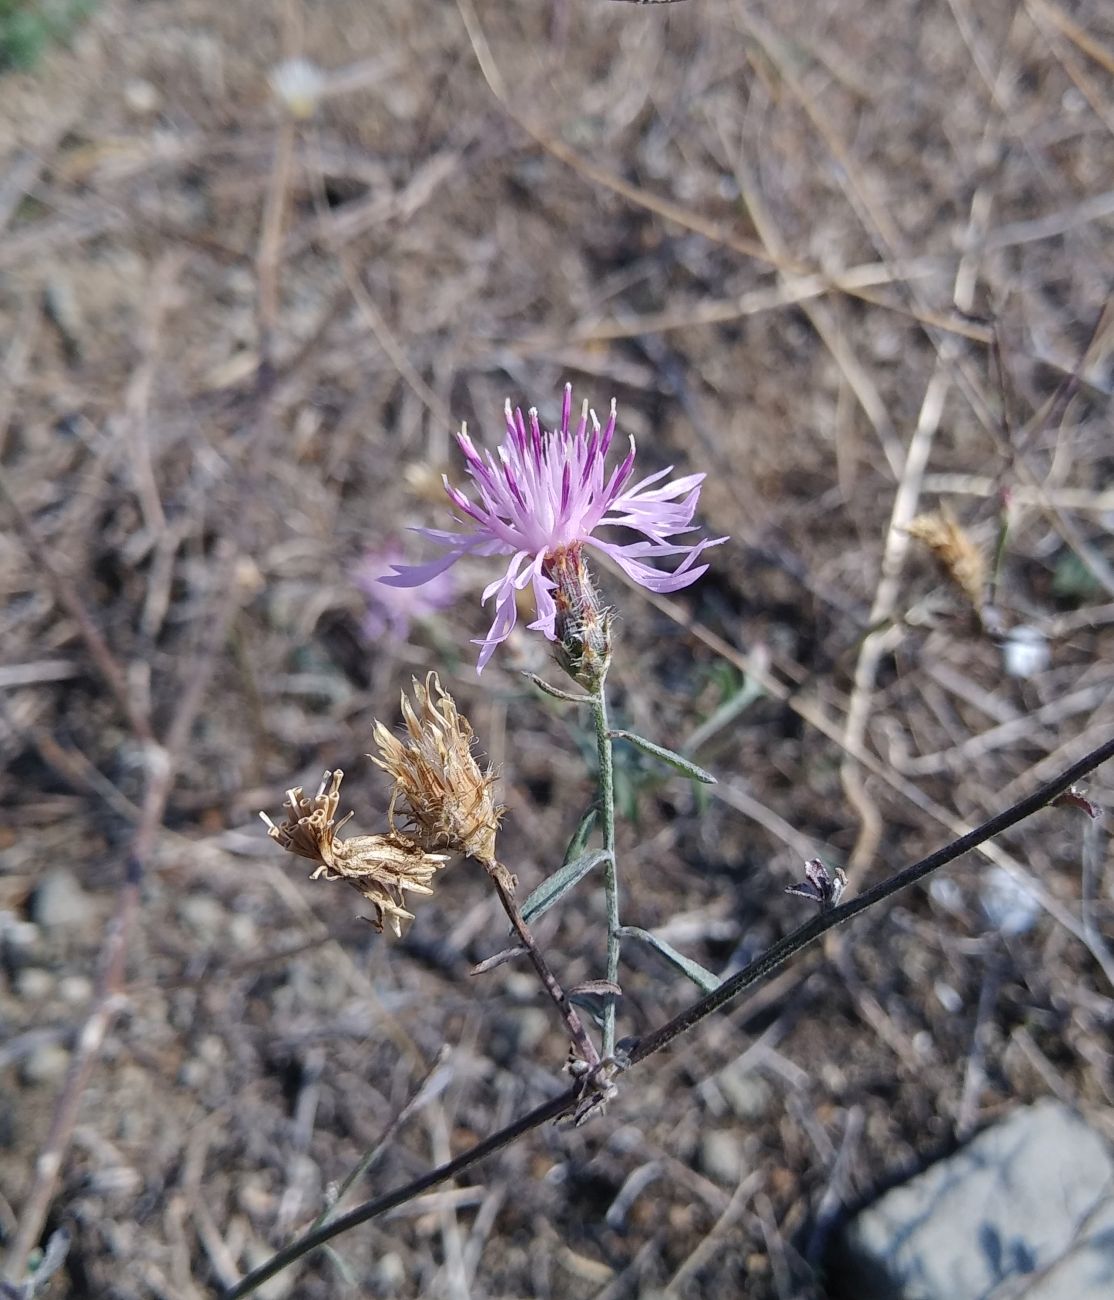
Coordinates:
<point>310,828</point>
<point>955,552</point>
<point>444,795</point>
<point>381,867</point>
<point>820,885</point>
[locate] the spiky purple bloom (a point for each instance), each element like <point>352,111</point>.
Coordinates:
<point>544,494</point>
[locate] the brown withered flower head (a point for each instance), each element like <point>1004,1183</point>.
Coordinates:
<point>955,551</point>
<point>445,797</point>
<point>381,867</point>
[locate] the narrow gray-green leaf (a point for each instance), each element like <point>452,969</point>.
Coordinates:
<point>578,845</point>
<point>556,691</point>
<point>729,711</point>
<point>700,975</point>
<point>554,888</point>
<point>683,765</point>
<point>490,963</point>
<point>596,988</point>
<point>595,1001</point>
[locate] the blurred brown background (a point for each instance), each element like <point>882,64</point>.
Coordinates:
<point>850,259</point>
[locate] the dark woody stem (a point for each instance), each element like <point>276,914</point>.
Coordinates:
<point>565,1103</point>
<point>502,879</point>
<point>780,952</point>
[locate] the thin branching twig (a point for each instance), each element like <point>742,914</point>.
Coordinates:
<point>640,1049</point>
<point>502,879</point>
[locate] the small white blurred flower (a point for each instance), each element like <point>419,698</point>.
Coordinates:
<point>298,85</point>
<point>1025,652</point>
<point>1008,905</point>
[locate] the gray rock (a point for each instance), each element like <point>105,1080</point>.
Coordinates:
<point>77,990</point>
<point>532,1025</point>
<point>19,936</point>
<point>59,900</point>
<point>1027,1207</point>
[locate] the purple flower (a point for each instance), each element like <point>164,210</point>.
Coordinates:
<point>543,495</point>
<point>391,609</point>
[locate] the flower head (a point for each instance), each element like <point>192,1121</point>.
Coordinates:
<point>951,545</point>
<point>390,609</point>
<point>381,867</point>
<point>544,494</point>
<point>444,794</point>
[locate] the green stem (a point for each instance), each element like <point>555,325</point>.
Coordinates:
<point>611,875</point>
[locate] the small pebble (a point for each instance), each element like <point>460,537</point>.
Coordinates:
<point>75,989</point>
<point>748,1094</point>
<point>390,1272</point>
<point>945,892</point>
<point>46,1064</point>
<point>948,998</point>
<point>924,1046</point>
<point>60,901</point>
<point>531,1026</point>
<point>204,914</point>
<point>1008,905</point>
<point>1025,652</point>
<point>193,1074</point>
<point>141,97</point>
<point>211,1049</point>
<point>243,934</point>
<point>34,984</point>
<point>298,85</point>
<point>16,934</point>
<point>721,1156</point>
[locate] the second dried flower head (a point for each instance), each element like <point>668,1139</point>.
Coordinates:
<point>446,798</point>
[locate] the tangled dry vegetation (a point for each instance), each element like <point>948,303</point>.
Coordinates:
<point>851,259</point>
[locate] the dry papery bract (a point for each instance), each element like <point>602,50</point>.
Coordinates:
<point>960,557</point>
<point>381,867</point>
<point>438,784</point>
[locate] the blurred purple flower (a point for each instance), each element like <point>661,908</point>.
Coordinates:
<point>390,609</point>
<point>541,497</point>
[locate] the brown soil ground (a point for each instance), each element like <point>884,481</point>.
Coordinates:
<point>848,258</point>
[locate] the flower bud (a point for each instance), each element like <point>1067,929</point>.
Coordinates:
<point>582,625</point>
